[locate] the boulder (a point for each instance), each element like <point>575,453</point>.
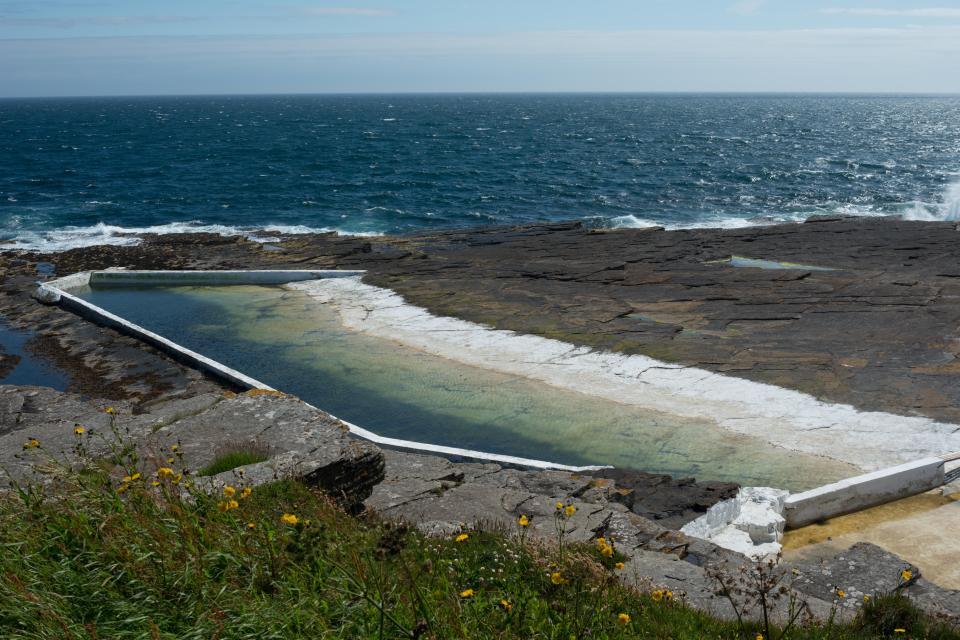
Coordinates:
<point>298,440</point>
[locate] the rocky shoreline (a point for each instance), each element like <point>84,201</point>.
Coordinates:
<point>837,334</point>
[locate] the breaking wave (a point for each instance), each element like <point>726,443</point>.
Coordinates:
<point>66,238</point>
<point>947,209</point>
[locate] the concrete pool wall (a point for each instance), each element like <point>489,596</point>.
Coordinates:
<point>740,403</point>
<point>59,292</point>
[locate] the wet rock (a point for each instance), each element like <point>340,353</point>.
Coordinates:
<point>98,361</point>
<point>7,364</point>
<point>670,502</point>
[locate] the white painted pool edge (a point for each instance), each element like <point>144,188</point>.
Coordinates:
<point>57,292</point>
<point>864,491</point>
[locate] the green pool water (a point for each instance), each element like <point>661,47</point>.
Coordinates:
<point>294,343</point>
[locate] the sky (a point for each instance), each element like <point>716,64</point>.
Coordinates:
<point>154,47</point>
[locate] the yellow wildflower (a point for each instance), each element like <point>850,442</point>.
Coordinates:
<point>606,551</point>
<point>906,574</point>
<point>601,543</point>
<point>222,506</point>
<point>570,510</point>
<point>506,606</point>
<point>177,478</point>
<point>657,595</point>
<point>109,410</point>
<point>795,571</point>
<point>128,478</point>
<point>289,518</point>
<point>233,504</point>
<point>559,506</point>
<point>899,630</point>
<point>32,443</point>
<point>524,521</point>
<point>619,566</point>
<point>623,618</point>
<point>866,598</point>
<point>79,431</point>
<point>174,447</point>
<point>245,492</point>
<point>668,595</point>
<point>251,525</point>
<point>759,636</point>
<point>170,460</point>
<point>164,472</point>
<point>135,476</point>
<point>841,594</point>
<point>461,537</point>
<point>229,491</point>
<point>557,578</point>
<point>466,593</point>
<point>155,483</point>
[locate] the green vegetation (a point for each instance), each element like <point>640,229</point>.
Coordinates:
<point>234,458</point>
<point>109,559</point>
<point>127,551</point>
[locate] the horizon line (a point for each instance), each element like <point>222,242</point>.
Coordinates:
<point>654,92</point>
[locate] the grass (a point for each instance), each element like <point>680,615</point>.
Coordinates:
<point>233,459</point>
<point>106,553</point>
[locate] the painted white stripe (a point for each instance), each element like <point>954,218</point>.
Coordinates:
<point>198,360</point>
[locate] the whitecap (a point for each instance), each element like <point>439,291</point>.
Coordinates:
<point>947,209</point>
<point>65,238</point>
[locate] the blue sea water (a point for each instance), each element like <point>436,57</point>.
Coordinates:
<point>93,170</point>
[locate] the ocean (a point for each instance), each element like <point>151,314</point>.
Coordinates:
<point>83,171</point>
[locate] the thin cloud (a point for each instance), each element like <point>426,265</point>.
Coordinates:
<point>747,7</point>
<point>67,23</point>
<point>365,12</point>
<point>930,12</point>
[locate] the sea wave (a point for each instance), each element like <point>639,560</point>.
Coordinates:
<point>738,222</point>
<point>72,237</point>
<point>947,209</point>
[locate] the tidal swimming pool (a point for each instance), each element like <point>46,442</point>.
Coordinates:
<point>297,344</point>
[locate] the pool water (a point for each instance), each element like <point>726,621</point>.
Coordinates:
<point>297,344</point>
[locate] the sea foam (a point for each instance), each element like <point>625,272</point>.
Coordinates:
<point>66,238</point>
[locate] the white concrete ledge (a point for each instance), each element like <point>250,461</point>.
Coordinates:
<point>862,492</point>
<point>122,277</point>
<point>179,353</point>
<point>213,278</point>
<point>466,453</point>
